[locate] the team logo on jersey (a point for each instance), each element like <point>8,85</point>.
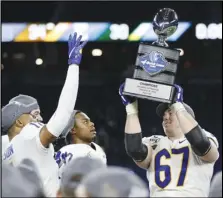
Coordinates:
<point>153,63</point>
<point>154,141</point>
<point>8,152</point>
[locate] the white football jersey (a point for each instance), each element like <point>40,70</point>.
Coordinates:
<point>27,145</point>
<point>5,142</point>
<point>72,151</point>
<point>175,170</point>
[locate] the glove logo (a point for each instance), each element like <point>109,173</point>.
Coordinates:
<point>153,63</point>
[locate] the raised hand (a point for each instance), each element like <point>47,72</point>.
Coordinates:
<point>74,49</point>
<point>125,99</point>
<point>179,93</point>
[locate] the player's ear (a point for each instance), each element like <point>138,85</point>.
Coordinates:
<point>19,123</point>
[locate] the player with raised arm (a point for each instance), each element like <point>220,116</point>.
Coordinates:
<point>31,113</point>
<point>80,134</point>
<point>33,140</point>
<point>179,164</point>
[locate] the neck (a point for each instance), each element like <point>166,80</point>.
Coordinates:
<point>175,136</point>
<point>12,133</point>
<point>77,140</point>
<point>11,137</point>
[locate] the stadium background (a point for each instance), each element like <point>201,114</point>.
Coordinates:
<point>200,67</point>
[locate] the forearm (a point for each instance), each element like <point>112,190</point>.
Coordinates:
<point>133,135</point>
<point>66,102</point>
<point>186,121</point>
<point>134,147</point>
<point>132,124</point>
<point>69,92</point>
<point>196,136</point>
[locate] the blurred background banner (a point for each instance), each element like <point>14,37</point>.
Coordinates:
<point>101,31</point>
<point>50,32</point>
<point>34,55</point>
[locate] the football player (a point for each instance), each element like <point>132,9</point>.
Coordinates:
<point>33,140</point>
<point>80,134</point>
<point>32,109</point>
<point>179,164</point>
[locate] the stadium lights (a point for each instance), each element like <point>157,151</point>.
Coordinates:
<point>50,26</point>
<point>119,31</point>
<point>212,31</point>
<point>96,52</point>
<point>39,61</point>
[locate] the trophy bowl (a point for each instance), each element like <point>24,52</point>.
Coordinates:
<point>165,22</point>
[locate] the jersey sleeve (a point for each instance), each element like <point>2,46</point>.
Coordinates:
<point>5,142</point>
<point>7,154</point>
<point>31,132</point>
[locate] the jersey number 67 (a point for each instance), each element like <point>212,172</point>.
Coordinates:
<point>167,169</point>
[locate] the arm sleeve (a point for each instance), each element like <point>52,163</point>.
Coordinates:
<point>66,103</point>
<point>212,138</point>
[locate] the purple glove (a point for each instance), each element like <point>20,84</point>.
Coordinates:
<point>74,47</point>
<point>179,93</point>
<point>125,99</point>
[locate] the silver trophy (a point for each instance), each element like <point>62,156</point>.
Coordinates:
<point>165,24</point>
<point>156,64</point>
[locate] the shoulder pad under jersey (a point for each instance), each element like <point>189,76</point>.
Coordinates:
<point>31,130</point>
<point>100,151</point>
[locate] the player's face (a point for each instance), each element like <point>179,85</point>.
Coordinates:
<point>36,115</point>
<point>170,123</point>
<point>84,128</point>
<point>25,119</point>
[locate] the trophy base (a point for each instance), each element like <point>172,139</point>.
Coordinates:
<point>149,90</point>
